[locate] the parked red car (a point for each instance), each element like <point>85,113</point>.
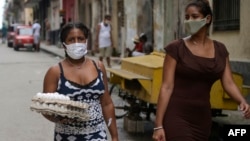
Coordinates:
<point>23,38</point>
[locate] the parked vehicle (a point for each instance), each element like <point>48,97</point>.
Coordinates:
<point>11,34</point>
<point>23,38</point>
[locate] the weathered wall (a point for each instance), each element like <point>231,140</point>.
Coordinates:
<point>169,23</point>
<point>54,15</point>
<point>145,18</point>
<point>175,14</point>
<point>237,42</point>
<point>95,19</point>
<point>158,24</point>
<point>114,15</point>
<point>130,22</point>
<point>139,16</point>
<point>28,15</point>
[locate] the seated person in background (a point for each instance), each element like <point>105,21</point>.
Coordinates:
<point>146,45</point>
<point>138,48</point>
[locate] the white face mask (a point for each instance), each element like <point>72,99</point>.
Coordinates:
<point>107,22</point>
<point>76,50</point>
<point>193,26</point>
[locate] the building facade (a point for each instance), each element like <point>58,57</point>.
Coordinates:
<point>161,21</point>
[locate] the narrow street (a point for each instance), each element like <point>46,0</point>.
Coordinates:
<point>21,77</point>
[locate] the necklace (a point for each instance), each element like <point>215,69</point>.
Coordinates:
<point>77,66</point>
<point>194,42</point>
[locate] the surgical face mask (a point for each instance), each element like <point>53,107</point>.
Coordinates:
<point>107,22</point>
<point>193,26</point>
<point>76,50</point>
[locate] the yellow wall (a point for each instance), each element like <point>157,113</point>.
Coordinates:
<point>237,42</point>
<point>28,15</point>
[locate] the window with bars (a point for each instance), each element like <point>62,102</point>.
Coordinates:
<point>226,15</point>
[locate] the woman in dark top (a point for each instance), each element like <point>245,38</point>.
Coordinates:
<point>191,66</point>
<point>84,80</point>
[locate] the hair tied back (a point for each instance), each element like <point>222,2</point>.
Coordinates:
<point>204,1</point>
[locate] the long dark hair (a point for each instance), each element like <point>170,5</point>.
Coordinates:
<point>204,8</point>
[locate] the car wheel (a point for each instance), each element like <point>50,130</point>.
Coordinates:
<point>34,47</point>
<point>9,44</point>
<point>16,48</point>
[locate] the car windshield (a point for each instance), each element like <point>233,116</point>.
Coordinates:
<point>25,31</point>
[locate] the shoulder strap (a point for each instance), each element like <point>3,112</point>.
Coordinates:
<point>96,65</point>
<point>61,68</point>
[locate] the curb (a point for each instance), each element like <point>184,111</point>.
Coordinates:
<point>51,52</point>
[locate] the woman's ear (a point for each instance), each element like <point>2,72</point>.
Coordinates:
<point>63,45</point>
<point>209,19</point>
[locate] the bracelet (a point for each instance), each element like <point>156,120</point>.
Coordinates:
<point>157,128</point>
<point>109,122</point>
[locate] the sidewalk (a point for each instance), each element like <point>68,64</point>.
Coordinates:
<point>54,50</point>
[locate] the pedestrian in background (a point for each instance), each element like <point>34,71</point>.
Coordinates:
<point>146,45</point>
<point>47,31</point>
<point>142,46</point>
<point>36,33</point>
<point>82,79</point>
<point>62,23</point>
<point>191,66</point>
<point>4,33</point>
<point>104,43</point>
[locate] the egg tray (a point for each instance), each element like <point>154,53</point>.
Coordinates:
<point>65,108</point>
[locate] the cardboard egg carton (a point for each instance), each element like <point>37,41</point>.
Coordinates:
<point>58,104</point>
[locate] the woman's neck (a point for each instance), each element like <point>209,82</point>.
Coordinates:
<point>76,63</point>
<point>198,39</point>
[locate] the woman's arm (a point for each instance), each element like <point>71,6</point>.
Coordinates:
<point>51,79</point>
<point>233,91</point>
<point>50,83</point>
<point>164,96</point>
<point>166,88</point>
<point>108,107</point>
